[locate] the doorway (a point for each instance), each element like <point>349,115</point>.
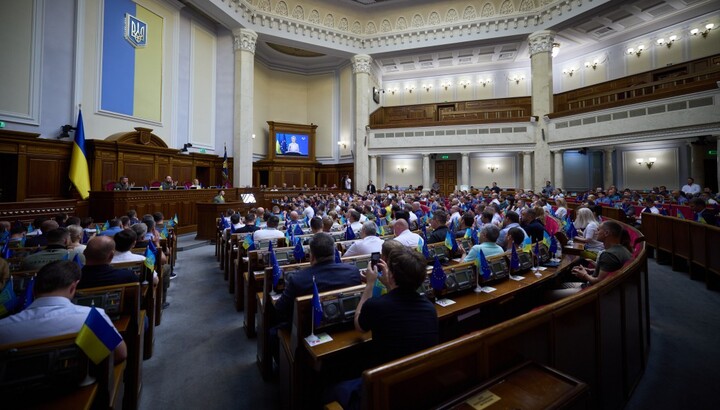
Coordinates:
<point>446,175</point>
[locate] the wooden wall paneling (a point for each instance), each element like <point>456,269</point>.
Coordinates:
<point>611,375</point>
<point>109,173</point>
<point>634,359</point>
<point>697,243</point>
<point>532,341</point>
<point>681,240</point>
<point>45,177</point>
<point>712,238</point>
<point>571,357</point>
<point>141,173</point>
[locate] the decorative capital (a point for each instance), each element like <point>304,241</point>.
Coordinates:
<point>465,154</point>
<point>244,40</point>
<point>425,156</point>
<point>361,64</point>
<point>541,42</point>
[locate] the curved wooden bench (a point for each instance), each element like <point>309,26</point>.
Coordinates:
<point>599,336</point>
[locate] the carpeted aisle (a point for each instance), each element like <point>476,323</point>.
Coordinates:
<point>203,360</point>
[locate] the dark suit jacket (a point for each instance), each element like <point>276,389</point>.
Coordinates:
<point>328,276</point>
<point>371,188</point>
<point>438,235</point>
<point>105,275</point>
<point>535,230</point>
<point>247,229</point>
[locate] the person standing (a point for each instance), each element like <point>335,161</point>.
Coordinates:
<point>348,183</point>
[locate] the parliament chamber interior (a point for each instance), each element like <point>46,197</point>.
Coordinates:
<point>203,144</point>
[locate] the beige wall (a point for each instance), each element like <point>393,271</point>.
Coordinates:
<point>347,105</point>
<point>665,171</point>
<point>294,98</point>
<point>202,87</point>
<point>390,173</point>
<point>481,176</point>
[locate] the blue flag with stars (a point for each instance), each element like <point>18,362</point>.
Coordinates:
<point>514,259</point>
<point>437,277</point>
<point>299,252</point>
<point>337,256</point>
<point>483,266</point>
<point>276,272</point>
<point>349,233</point>
<point>317,306</point>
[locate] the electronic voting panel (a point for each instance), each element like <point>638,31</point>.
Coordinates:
<point>339,308</point>
<point>458,278</point>
<point>500,270</point>
<point>109,300</point>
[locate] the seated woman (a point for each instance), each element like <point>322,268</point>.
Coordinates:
<point>587,225</point>
<point>561,211</point>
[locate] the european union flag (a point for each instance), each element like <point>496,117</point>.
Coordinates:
<point>97,338</point>
<point>298,230</point>
<point>30,228</point>
<point>248,243</point>
<point>437,277</point>
<point>514,259</point>
<point>337,256</point>
<point>29,293</point>
<point>276,272</point>
<point>425,250</point>
<point>474,236</point>
<point>571,231</point>
<point>317,306</point>
<point>536,249</point>
<point>483,266</point>
<point>450,241</point>
<point>225,223</point>
<point>85,237</point>
<point>299,252</point>
<point>6,252</point>
<point>4,236</point>
<point>423,230</point>
<point>77,260</point>
<point>349,233</point>
<point>553,245</point>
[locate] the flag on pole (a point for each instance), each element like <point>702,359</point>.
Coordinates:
<point>6,252</point>
<point>337,256</point>
<point>248,243</point>
<point>553,246</point>
<point>514,259</point>
<point>317,306</point>
<point>276,272</point>
<point>298,230</point>
<point>79,174</point>
<point>450,241</point>
<point>77,260</point>
<point>349,233</point>
<point>437,277</point>
<point>225,172</point>
<point>150,255</point>
<point>97,338</point>
<point>8,299</point>
<point>299,252</point>
<point>482,266</point>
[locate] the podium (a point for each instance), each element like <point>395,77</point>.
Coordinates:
<point>208,212</point>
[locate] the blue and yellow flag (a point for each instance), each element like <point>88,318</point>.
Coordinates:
<point>97,338</point>
<point>225,172</point>
<point>450,241</point>
<point>164,233</point>
<point>106,226</point>
<point>150,255</point>
<point>79,174</point>
<point>248,243</point>
<point>546,239</point>
<point>175,220</point>
<point>30,228</point>
<point>526,245</point>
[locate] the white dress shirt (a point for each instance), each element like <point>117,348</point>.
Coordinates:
<point>366,246</point>
<point>408,238</point>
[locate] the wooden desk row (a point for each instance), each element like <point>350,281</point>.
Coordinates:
<point>685,240</point>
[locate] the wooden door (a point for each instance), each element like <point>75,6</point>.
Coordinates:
<point>446,175</point>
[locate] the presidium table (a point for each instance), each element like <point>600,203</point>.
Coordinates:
<point>193,207</point>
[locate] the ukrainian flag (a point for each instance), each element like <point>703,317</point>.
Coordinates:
<point>97,338</point>
<point>79,174</point>
<point>132,66</point>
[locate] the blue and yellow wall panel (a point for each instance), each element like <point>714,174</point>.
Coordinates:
<point>132,75</point>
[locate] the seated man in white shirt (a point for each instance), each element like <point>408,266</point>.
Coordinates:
<point>691,188</point>
<point>52,313</point>
<point>370,242</point>
<point>404,235</point>
<point>270,231</point>
<point>353,218</point>
<point>123,250</point>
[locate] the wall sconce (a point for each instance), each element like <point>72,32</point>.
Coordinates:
<point>402,169</point>
<point>649,162</point>
<point>485,82</point>
<point>253,136</point>
<point>569,71</point>
<point>705,32</point>
<point>410,88</point>
<point>427,87</point>
<point>637,52</point>
<point>342,144</point>
<point>668,43</point>
<point>445,85</point>
<point>592,65</point>
<point>517,78</point>
<point>393,90</point>
<point>493,167</point>
<point>555,50</point>
<point>464,83</point>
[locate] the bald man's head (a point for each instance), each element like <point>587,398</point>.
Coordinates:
<point>99,250</point>
<point>400,226</point>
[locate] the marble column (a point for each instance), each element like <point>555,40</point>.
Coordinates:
<point>465,169</point>
<point>243,121</point>
<point>527,171</point>
<point>608,177</point>
<point>361,69</point>
<point>426,172</point>
<point>541,44</point>
<point>697,164</point>
<point>373,171</point>
<point>558,155</point>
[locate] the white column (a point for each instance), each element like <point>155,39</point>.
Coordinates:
<point>558,169</point>
<point>426,172</point>
<point>527,171</point>
<point>608,174</point>
<point>465,169</point>
<point>373,171</point>
<point>697,164</point>
<point>243,121</point>
<point>541,44</point>
<point>361,69</point>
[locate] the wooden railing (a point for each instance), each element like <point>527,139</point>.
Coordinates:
<point>455,113</point>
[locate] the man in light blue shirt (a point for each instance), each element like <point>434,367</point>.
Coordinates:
<point>488,235</point>
<point>511,220</point>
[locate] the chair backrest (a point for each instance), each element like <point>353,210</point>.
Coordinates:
<point>109,185</point>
